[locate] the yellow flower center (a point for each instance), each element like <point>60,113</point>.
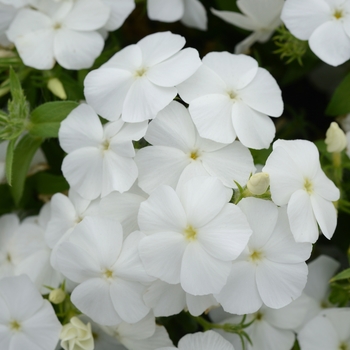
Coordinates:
<point>343,346</point>
<point>105,145</point>
<point>15,326</point>
<point>308,186</point>
<point>190,233</point>
<point>194,155</point>
<point>338,14</point>
<point>232,95</point>
<point>259,316</point>
<point>8,257</point>
<point>108,274</point>
<point>140,72</point>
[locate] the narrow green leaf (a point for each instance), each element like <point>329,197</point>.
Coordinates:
<point>23,155</point>
<point>341,276</point>
<point>9,160</point>
<point>45,120</point>
<point>340,101</point>
<point>15,84</point>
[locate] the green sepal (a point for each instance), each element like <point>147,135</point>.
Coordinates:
<point>341,276</point>
<point>9,160</point>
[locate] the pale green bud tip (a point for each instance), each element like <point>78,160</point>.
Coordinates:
<point>56,296</point>
<point>56,87</point>
<point>77,335</point>
<point>335,138</point>
<point>258,183</point>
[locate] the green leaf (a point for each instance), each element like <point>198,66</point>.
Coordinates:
<point>49,184</point>
<point>22,157</point>
<point>340,102</point>
<point>341,276</point>
<point>15,85</point>
<point>9,160</point>
<point>45,120</point>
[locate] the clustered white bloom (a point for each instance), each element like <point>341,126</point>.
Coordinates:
<point>148,233</point>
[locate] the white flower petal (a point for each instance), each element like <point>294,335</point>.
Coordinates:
<point>226,235</point>
<point>145,99</point>
<point>236,19</point>
<point>280,284</point>
<point>195,15</point>
<point>165,10</point>
<point>82,128</point>
<point>158,47</point>
<point>83,170</point>
<point>263,94</point>
<point>240,294</point>
<point>93,298</point>
<point>231,163</point>
<point>302,17</point>
<point>77,49</point>
<point>106,89</point>
<point>200,303</point>
<point>325,214</point>
<point>127,300</point>
<point>330,43</point>
<point>204,341</point>
<point>175,69</point>
<point>203,198</point>
<point>87,15</point>
<point>237,71</point>
<point>203,82</point>
<point>159,165</point>
<point>120,10</point>
<point>202,274</point>
<point>161,255</point>
<point>162,212</point>
<point>302,218</point>
<point>254,129</point>
<point>212,116</point>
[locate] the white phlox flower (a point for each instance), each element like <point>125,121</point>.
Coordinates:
<point>271,271</point>
<point>9,252</point>
<point>108,271</point>
<point>324,23</point>
<point>100,158</point>
<point>273,329</point>
<point>179,153</point>
<point>170,299</point>
<point>327,331</point>
<point>76,335</point>
<point>65,32</point>
<point>17,3</point>
<point>35,253</point>
<point>261,17</point>
<point>26,320</point>
<point>192,234</point>
<point>143,335</point>
<point>191,12</point>
<point>139,80</point>
<point>298,181</point>
<point>209,340</point>
<point>230,96</point>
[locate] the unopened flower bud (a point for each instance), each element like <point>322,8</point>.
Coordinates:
<point>77,335</point>
<point>56,87</point>
<point>335,138</point>
<point>258,183</point>
<point>56,296</point>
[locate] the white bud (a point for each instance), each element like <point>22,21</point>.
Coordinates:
<point>258,183</point>
<point>77,335</point>
<point>56,87</point>
<point>335,138</point>
<point>56,296</point>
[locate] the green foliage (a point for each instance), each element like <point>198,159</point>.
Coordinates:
<point>22,157</point>
<point>9,160</point>
<point>45,120</point>
<point>289,46</point>
<point>344,275</point>
<point>340,102</point>
<point>46,183</point>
